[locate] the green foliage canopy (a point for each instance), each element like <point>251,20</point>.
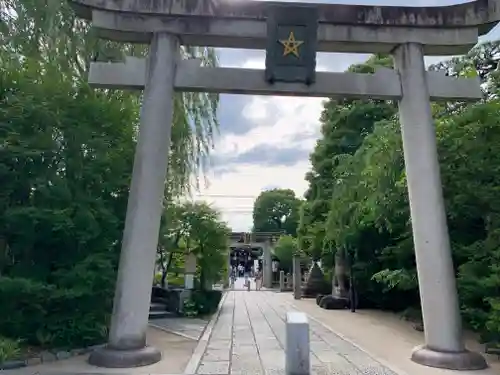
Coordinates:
<point>285,249</point>
<point>65,164</point>
<point>358,195</point>
<point>345,124</point>
<point>276,210</point>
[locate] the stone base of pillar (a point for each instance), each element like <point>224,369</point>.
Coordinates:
<point>461,361</point>
<point>113,358</point>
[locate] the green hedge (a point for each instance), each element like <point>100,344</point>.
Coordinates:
<point>9,349</point>
<point>206,301</point>
<point>24,308</point>
<point>41,314</point>
<point>172,279</point>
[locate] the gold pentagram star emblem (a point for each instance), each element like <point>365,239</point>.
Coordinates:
<point>291,45</point>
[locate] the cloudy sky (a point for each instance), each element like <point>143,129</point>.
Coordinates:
<point>264,141</point>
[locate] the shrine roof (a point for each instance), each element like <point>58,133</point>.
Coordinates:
<point>474,13</point>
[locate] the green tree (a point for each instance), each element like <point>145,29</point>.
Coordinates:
<point>207,236</point>
<point>276,210</point>
<point>368,210</point>
<point>193,228</point>
<point>344,125</point>
<point>53,38</point>
<point>285,249</point>
<point>66,159</point>
<point>171,244</point>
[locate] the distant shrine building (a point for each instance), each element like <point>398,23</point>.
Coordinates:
<point>249,249</point>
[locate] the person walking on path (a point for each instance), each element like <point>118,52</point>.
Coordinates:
<point>233,276</point>
<point>247,282</point>
<point>258,280</point>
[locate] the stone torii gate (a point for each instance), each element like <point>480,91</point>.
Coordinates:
<point>291,40</point>
<point>266,242</point>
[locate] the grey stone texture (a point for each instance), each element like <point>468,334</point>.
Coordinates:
<point>115,358</point>
<point>46,357</point>
<point>249,339</point>
<point>468,14</point>
<point>186,327</point>
<point>445,30</point>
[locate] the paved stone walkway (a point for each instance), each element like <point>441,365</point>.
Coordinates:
<point>249,338</point>
<point>239,283</point>
<point>187,327</point>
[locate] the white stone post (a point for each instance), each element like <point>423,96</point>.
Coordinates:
<point>297,278</point>
<point>127,337</point>
<point>190,262</point>
<point>189,274</point>
<point>282,281</point>
<point>297,357</point>
<point>267,265</point>
<point>444,345</point>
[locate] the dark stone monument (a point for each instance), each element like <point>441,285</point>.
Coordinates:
<point>330,302</point>
<point>292,32</point>
<point>316,283</point>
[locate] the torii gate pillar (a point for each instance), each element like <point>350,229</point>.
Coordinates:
<point>127,338</point>
<point>267,264</point>
<point>444,345</point>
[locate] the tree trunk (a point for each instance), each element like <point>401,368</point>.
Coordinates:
<point>159,250</point>
<point>341,274</point>
<point>202,279</point>
<point>165,269</point>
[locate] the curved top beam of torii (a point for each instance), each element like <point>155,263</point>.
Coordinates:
<point>445,30</point>
<point>475,13</point>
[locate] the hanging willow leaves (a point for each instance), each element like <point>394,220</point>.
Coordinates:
<point>47,31</point>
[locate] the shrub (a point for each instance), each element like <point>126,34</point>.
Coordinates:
<point>172,280</point>
<point>75,313</point>
<point>24,307</point>
<point>77,318</point>
<point>157,279</point>
<point>206,301</point>
<point>9,349</point>
<point>175,280</point>
<point>190,309</point>
<point>51,317</point>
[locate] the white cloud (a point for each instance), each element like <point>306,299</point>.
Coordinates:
<point>294,116</point>
<point>278,121</point>
<point>242,187</point>
<point>289,115</point>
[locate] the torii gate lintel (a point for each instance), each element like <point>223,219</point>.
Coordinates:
<point>191,76</point>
